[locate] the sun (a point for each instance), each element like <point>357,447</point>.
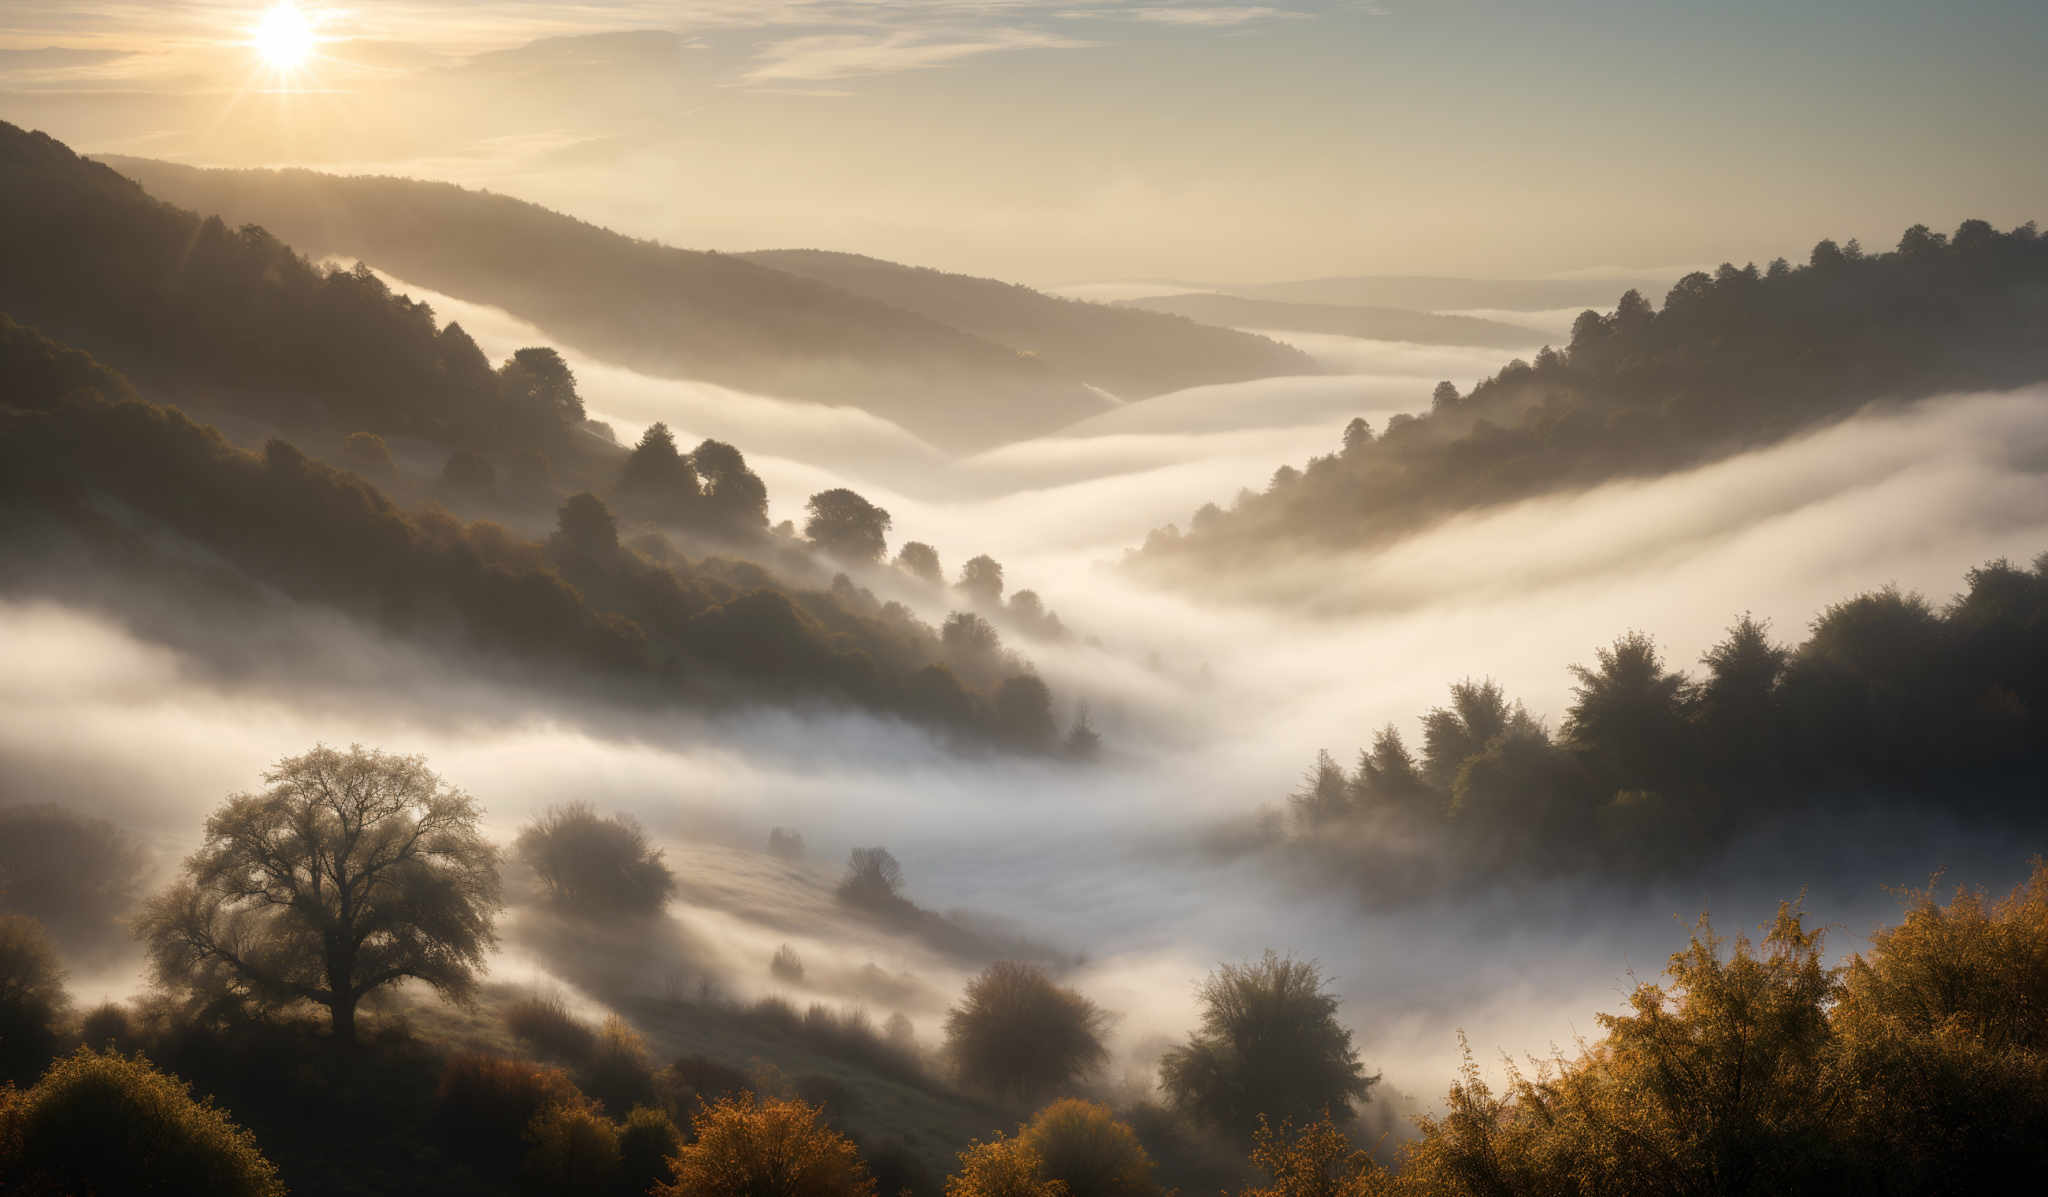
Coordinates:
<point>284,38</point>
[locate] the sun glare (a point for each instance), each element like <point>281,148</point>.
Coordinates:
<point>284,38</point>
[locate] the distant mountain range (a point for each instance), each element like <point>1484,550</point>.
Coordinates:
<point>1376,323</point>
<point>966,363</point>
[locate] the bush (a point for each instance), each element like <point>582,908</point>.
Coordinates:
<point>549,1031</point>
<point>570,1148</point>
<point>109,1027</point>
<point>1269,1045</point>
<point>873,881</point>
<point>618,1074</point>
<point>596,865</point>
<point>785,843</point>
<point>1082,1145</point>
<point>485,1103</point>
<point>108,1124</point>
<point>742,1147</point>
<point>647,1139</point>
<point>1018,1035</point>
<point>32,999</point>
<point>1316,1161</point>
<point>1001,1168</point>
<point>787,966</point>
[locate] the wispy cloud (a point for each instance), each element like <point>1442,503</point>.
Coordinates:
<point>1200,16</point>
<point>820,57</point>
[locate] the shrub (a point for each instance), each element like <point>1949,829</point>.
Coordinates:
<point>596,865</point>
<point>548,1030</point>
<point>742,1147</point>
<point>32,1000</point>
<point>619,1074</point>
<point>874,881</point>
<point>109,1026</point>
<point>647,1139</point>
<point>1017,1034</point>
<point>1082,1145</point>
<point>107,1124</point>
<point>1317,1160</point>
<point>785,843</point>
<point>485,1103</point>
<point>1001,1168</point>
<point>1269,1045</point>
<point>787,966</point>
<point>570,1148</point>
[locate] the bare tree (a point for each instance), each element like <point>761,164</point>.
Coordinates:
<point>351,871</point>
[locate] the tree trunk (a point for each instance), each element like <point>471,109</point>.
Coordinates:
<point>343,1011</point>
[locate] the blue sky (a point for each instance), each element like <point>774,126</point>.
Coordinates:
<point>1098,139</point>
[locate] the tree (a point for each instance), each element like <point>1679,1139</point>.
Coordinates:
<point>1452,735</point>
<point>585,527</point>
<point>847,526</point>
<point>735,500</point>
<point>744,1148</point>
<point>1081,1145</point>
<point>1316,1160</point>
<point>1324,795</point>
<point>981,580</point>
<point>1269,1044</point>
<point>1357,435</point>
<point>593,864</point>
<point>1629,717</point>
<point>1083,742</point>
<point>32,998</point>
<point>367,454</point>
<point>1444,397</point>
<point>352,870</point>
<point>967,636</point>
<point>873,879</point>
<point>1001,1168</point>
<point>659,477</point>
<point>920,561</point>
<point>1023,713</point>
<point>1018,1035</point>
<point>106,1123</point>
<point>539,378</point>
<point>1387,776</point>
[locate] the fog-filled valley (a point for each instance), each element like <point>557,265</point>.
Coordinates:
<point>953,737</point>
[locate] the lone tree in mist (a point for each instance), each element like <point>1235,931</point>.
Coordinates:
<point>594,864</point>
<point>1018,1035</point>
<point>981,579</point>
<point>873,880</point>
<point>847,526</point>
<point>351,871</point>
<point>1269,1045</point>
<point>920,561</point>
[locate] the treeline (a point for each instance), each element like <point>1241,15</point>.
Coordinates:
<point>86,255</point>
<point>1890,702</point>
<point>72,438</point>
<point>1736,359</point>
<point>1918,1066</point>
<point>667,311</point>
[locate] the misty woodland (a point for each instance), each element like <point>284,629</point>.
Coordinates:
<point>500,702</point>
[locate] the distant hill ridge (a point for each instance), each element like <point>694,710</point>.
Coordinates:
<point>1350,320</point>
<point>966,363</point>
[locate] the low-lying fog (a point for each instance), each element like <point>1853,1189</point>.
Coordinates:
<point>1209,711</point>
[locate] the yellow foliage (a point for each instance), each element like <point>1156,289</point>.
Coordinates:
<point>742,1147</point>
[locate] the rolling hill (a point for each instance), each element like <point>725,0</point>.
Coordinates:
<point>1375,323</point>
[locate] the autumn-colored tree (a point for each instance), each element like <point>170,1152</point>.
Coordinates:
<point>741,1147</point>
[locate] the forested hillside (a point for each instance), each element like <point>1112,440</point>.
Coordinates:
<point>1733,360</point>
<point>1134,354</point>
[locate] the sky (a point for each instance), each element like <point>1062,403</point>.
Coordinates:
<point>1098,140</point>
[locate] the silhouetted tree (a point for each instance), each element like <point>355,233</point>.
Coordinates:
<point>1324,795</point>
<point>1018,1035</point>
<point>1023,713</point>
<point>538,378</point>
<point>353,870</point>
<point>981,580</point>
<point>1357,435</point>
<point>1081,1146</point>
<point>847,526</point>
<point>735,501</point>
<point>1269,1045</point>
<point>873,879</point>
<point>1629,718</point>
<point>1452,735</point>
<point>920,561</point>
<point>658,478</point>
<point>32,998</point>
<point>1444,397</point>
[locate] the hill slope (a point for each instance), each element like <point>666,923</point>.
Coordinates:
<point>1350,320</point>
<point>1734,360</point>
<point>1135,354</point>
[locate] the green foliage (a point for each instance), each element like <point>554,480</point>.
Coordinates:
<point>107,1123</point>
<point>595,865</point>
<point>351,871</point>
<point>1269,1045</point>
<point>1017,1034</point>
<point>741,1147</point>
